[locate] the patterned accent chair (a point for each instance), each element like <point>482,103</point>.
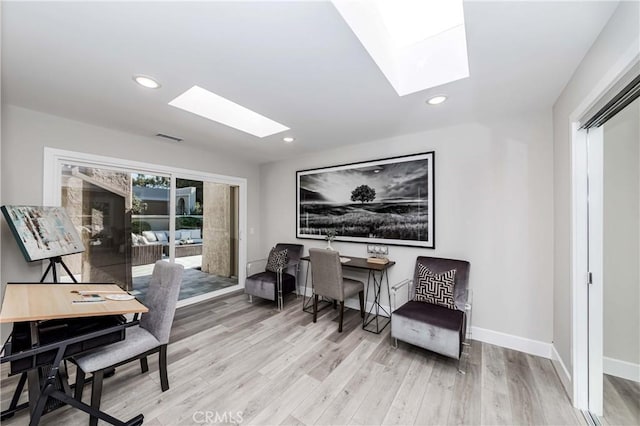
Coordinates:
<point>433,326</point>
<point>271,285</point>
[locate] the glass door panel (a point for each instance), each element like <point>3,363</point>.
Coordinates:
<point>150,233</point>
<point>206,236</point>
<point>98,202</point>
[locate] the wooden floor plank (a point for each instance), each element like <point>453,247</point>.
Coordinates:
<point>526,405</point>
<point>496,406</point>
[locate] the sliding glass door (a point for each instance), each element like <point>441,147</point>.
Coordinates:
<point>205,235</point>
<point>129,219</point>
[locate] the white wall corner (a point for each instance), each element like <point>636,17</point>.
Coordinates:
<point>522,344</point>
<point>562,371</point>
<point>623,369</point>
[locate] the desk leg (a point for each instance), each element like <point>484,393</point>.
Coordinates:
<point>33,387</point>
<point>370,316</point>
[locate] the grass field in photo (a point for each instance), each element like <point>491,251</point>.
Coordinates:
<point>400,220</point>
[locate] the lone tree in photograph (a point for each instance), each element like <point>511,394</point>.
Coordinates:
<point>363,193</point>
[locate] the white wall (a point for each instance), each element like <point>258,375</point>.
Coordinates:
<point>493,203</point>
<point>622,236</point>
<point>25,133</point>
<point>615,44</point>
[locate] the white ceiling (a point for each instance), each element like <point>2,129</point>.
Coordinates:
<point>298,63</point>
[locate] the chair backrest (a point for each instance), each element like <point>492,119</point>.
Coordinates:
<point>326,272</point>
<point>161,299</point>
<point>294,253</point>
<point>437,265</point>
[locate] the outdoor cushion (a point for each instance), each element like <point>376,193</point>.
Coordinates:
<point>150,236</point>
<point>195,234</point>
<point>162,236</point>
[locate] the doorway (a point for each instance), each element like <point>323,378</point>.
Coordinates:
<point>607,254</point>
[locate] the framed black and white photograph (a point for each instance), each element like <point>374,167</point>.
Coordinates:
<point>387,201</point>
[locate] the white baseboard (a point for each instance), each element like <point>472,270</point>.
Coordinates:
<point>563,372</point>
<point>522,344</point>
<point>622,369</point>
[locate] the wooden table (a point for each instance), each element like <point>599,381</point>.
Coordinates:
<point>377,275</point>
<point>32,303</point>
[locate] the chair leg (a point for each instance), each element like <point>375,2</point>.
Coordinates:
<point>463,354</point>
<point>395,343</point>
<point>162,360</point>
<point>96,394</point>
<point>361,295</point>
<point>79,387</point>
<point>341,316</point>
<point>144,364</point>
<point>315,307</point>
<point>250,299</point>
<point>335,304</point>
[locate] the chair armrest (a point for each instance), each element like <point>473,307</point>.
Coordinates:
<point>467,312</point>
<point>255,266</point>
<point>288,265</point>
<point>397,287</point>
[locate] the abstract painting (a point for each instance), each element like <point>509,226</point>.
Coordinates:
<point>42,232</point>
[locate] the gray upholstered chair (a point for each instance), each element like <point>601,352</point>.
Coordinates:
<point>150,336</point>
<point>431,326</point>
<point>326,273</point>
<point>274,285</point>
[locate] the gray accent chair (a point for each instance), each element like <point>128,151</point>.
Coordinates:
<point>434,327</point>
<point>274,285</point>
<point>326,273</point>
<point>150,336</point>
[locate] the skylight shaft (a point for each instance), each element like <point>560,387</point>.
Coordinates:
<point>214,107</point>
<point>417,44</point>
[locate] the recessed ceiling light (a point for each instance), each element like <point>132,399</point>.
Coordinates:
<point>288,139</point>
<point>437,100</point>
<point>206,104</point>
<point>146,81</point>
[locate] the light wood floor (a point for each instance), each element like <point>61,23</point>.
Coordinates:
<point>229,356</point>
<point>621,401</point>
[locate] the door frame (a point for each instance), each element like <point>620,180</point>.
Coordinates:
<point>586,325</point>
<point>52,179</point>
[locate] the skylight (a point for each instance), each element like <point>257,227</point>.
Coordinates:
<point>417,44</point>
<point>206,104</point>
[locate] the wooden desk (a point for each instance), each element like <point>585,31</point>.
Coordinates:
<point>33,303</point>
<point>377,275</point>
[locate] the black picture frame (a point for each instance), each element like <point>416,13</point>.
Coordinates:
<point>339,199</point>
